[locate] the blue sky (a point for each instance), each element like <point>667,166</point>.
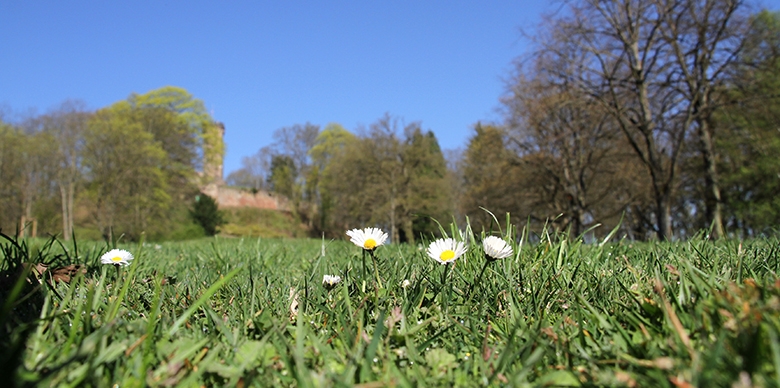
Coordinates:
<point>262,65</point>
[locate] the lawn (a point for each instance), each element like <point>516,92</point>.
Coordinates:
<point>254,312</point>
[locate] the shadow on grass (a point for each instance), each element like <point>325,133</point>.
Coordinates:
<point>24,279</point>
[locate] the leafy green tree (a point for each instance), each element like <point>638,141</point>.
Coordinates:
<point>383,169</point>
<point>380,178</point>
<point>31,172</point>
<point>428,196</point>
<point>12,145</point>
<point>749,144</point>
<point>194,137</point>
<point>283,175</point>
<point>35,167</point>
<point>330,143</point>
<point>39,170</point>
<point>127,188</point>
<point>206,213</point>
<point>490,177</point>
<point>345,181</point>
<point>175,138</point>
<point>173,141</point>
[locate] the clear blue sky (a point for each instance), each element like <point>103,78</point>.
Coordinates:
<point>262,65</point>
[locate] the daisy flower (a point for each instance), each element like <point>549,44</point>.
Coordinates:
<point>117,257</point>
<point>329,281</point>
<point>368,238</point>
<point>445,250</point>
<point>496,248</point>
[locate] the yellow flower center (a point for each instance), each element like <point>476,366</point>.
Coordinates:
<point>116,259</point>
<point>447,255</point>
<point>369,244</point>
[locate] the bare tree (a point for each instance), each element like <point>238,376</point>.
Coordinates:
<point>295,142</point>
<point>577,152</point>
<point>628,56</point>
<point>67,124</point>
<point>705,38</point>
<point>254,170</point>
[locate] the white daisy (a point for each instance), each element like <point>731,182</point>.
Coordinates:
<point>329,282</point>
<point>446,250</point>
<point>117,257</point>
<point>406,283</point>
<point>496,248</point>
<point>368,238</point>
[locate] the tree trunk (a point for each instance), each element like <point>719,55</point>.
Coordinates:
<point>393,226</point>
<point>26,217</point>
<point>713,202</point>
<point>409,230</point>
<point>65,218</point>
<point>663,214</point>
<point>20,231</point>
<point>71,205</point>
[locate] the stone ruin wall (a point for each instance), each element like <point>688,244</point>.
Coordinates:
<point>228,197</point>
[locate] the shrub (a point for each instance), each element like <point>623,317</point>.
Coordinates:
<point>206,214</point>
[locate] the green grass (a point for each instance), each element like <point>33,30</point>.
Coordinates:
<point>216,312</point>
<point>251,222</point>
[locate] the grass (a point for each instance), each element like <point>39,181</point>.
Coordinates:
<point>217,312</point>
<point>261,223</point>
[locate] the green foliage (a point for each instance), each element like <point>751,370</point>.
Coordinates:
<point>428,193</point>
<point>330,142</point>
<point>190,113</point>
<point>141,158</point>
<point>126,170</point>
<point>127,187</point>
<point>488,177</point>
<point>206,213</point>
<point>749,141</point>
<point>10,173</point>
<point>26,170</point>
<point>341,178</point>
<point>12,145</point>
<point>283,175</point>
<point>382,179</point>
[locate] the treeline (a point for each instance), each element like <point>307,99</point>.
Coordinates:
<point>388,174</point>
<point>129,169</point>
<point>661,118</point>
